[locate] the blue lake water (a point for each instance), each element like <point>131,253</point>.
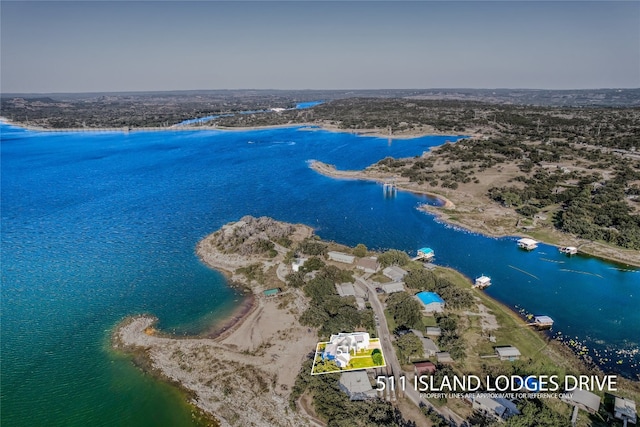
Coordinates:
<point>98,226</point>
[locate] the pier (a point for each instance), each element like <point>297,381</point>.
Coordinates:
<point>389,188</point>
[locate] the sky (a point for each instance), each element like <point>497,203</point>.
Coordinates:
<point>103,46</point>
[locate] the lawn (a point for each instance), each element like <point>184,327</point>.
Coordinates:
<point>362,360</point>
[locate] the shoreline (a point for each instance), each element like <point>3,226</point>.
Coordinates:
<point>615,255</point>
<point>241,369</point>
<point>257,344</point>
<point>310,127</point>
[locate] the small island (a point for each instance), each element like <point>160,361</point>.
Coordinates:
<point>256,369</point>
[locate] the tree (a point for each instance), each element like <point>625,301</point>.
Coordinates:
<point>410,347</point>
<point>360,250</point>
<point>405,310</point>
<point>393,257</point>
<point>421,279</point>
<point>376,356</point>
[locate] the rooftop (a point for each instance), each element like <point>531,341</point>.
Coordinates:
<point>508,351</point>
<point>584,398</point>
<point>527,241</point>
<point>429,297</point>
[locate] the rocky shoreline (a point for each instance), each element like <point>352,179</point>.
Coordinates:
<point>480,220</point>
<point>241,372</point>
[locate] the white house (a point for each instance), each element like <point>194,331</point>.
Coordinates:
<point>341,257</point>
<point>297,263</point>
<point>341,346</point>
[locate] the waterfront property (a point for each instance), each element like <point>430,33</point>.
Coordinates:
<point>368,265</point>
<point>569,250</point>
<point>392,287</point>
<point>394,273</point>
<point>527,244</point>
<point>425,254</point>
<point>431,302</point>
<point>482,282</point>
<point>582,399</point>
<point>542,322</point>
<point>625,410</point>
<point>509,353</point>
<point>495,406</point>
<point>348,351</point>
<point>356,385</point>
<point>341,257</point>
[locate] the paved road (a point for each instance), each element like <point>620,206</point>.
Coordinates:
<point>391,358</point>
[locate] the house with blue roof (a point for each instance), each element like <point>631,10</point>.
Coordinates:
<point>431,302</point>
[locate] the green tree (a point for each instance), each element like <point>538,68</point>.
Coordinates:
<point>410,347</point>
<point>393,257</point>
<point>376,356</point>
<point>421,279</point>
<point>360,250</point>
<point>405,310</point>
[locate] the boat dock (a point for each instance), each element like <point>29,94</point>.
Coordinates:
<point>569,250</point>
<point>527,244</point>
<point>542,322</point>
<point>482,282</point>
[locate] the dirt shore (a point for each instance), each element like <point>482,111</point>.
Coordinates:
<point>377,133</point>
<point>465,209</point>
<point>242,372</point>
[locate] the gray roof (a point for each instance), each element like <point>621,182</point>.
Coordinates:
<point>434,330</point>
<point>625,408</point>
<point>394,273</point>
<point>392,287</point>
<point>345,289</point>
<point>500,406</point>
<point>509,351</point>
<point>582,398</point>
<point>357,385</point>
<point>367,263</point>
<point>444,356</point>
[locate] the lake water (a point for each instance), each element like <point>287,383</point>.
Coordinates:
<point>98,226</point>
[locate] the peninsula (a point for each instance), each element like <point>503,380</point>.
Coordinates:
<point>302,290</point>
